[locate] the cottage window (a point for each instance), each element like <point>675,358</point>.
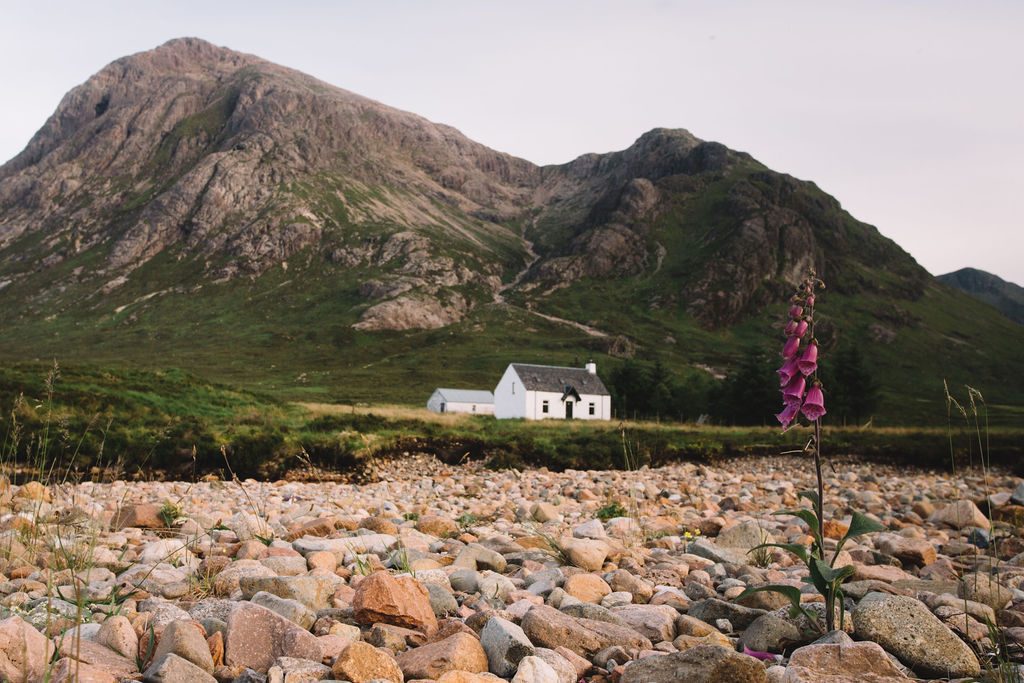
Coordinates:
<point>544,407</point>
<point>474,408</point>
<point>591,408</point>
<point>513,387</point>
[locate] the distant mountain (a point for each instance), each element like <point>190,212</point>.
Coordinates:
<point>199,207</point>
<point>993,290</point>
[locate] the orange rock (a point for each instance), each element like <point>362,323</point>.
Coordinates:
<point>361,662</point>
<point>834,529</point>
<point>402,601</point>
<point>460,652</point>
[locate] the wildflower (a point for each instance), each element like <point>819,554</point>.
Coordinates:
<point>794,391</point>
<point>763,656</point>
<point>810,301</point>
<point>808,362</point>
<point>788,414</point>
<point>801,328</point>
<point>814,404</point>
<point>791,327</point>
<point>787,371</point>
<point>796,311</point>
<point>791,347</point>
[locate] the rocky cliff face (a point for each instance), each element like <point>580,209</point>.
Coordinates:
<point>196,154</point>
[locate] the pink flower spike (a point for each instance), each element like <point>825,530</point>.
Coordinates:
<point>810,301</point>
<point>814,404</point>
<point>787,415</point>
<point>808,362</point>
<point>791,347</point>
<point>787,371</point>
<point>791,328</point>
<point>763,656</point>
<point>801,328</point>
<point>794,391</point>
<point>796,311</point>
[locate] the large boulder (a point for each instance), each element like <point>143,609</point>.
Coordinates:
<point>505,644</point>
<point>397,600</point>
<point>702,664</point>
<point>960,514</point>
<point>24,651</point>
<point>907,628</point>
<point>550,628</point>
<point>458,652</point>
<point>842,663</point>
<point>256,637</point>
<point>361,662</point>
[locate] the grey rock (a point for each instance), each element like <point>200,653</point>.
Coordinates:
<point>170,668</point>
<point>712,609</point>
<point>291,670</point>
<point>906,628</point>
<point>441,601</point>
<point>505,644</point>
<point>701,664</point>
<point>292,610</point>
<point>771,633</point>
<point>184,639</point>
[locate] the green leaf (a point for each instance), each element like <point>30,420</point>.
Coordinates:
<point>795,548</point>
<point>792,593</point>
<point>860,524</point>
<point>817,578</point>
<point>809,495</point>
<point>807,515</point>
<point>831,575</point>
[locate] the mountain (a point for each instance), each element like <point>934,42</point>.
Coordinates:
<point>197,207</point>
<point>1007,297</point>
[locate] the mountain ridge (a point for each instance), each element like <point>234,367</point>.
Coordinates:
<point>178,182</point>
<point>1005,296</point>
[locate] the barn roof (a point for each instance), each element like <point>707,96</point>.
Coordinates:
<point>559,379</point>
<point>466,395</point>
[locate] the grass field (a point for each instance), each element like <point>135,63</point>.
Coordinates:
<point>91,422</point>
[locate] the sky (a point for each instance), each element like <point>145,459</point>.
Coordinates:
<point>910,113</point>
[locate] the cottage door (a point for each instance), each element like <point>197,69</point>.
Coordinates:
<point>568,410</point>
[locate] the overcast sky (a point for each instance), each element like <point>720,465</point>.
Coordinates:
<point>910,113</point>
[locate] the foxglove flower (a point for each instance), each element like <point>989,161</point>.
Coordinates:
<point>791,347</point>
<point>801,328</point>
<point>814,404</point>
<point>785,418</point>
<point>810,301</point>
<point>791,327</point>
<point>808,362</point>
<point>794,391</point>
<point>787,371</point>
<point>796,311</point>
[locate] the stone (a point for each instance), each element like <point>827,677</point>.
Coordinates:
<point>505,644</point>
<point>703,664</point>
<point>587,554</point>
<point>99,656</point>
<point>985,589</point>
<point>402,601</point>
<point>24,651</point>
<point>170,668</point>
<point>477,557</point>
<point>563,668</point>
<point>906,628</point>
<point>864,662</point>
<point>593,528</point>
<point>771,633</point>
<point>622,580</point>
<point>441,600</point>
<point>713,609</point>
<point>657,623</point>
<point>255,637</point>
<point>743,536</point>
<point>436,525</point>
<point>69,670</point>
<point>117,633</point>
<point>141,516</point>
<point>913,551</point>
<point>376,544</point>
<point>185,639</point>
<point>547,627</point>
<point>535,670</point>
<point>586,587</point>
<point>459,652</point>
<point>545,512</point>
<point>962,513</point>
<point>291,670</point>
<point>292,610</point>
<point>361,663</point>
<point>1017,497</point>
<point>313,591</point>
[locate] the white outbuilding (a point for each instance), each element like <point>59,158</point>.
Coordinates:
<point>544,392</point>
<point>461,401</point>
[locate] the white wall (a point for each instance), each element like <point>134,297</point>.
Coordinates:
<point>471,408</point>
<point>435,401</point>
<point>509,396</point>
<point>556,406</point>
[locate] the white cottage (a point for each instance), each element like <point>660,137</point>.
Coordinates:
<point>461,401</point>
<point>542,392</point>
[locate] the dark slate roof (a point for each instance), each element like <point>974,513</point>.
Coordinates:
<point>553,378</point>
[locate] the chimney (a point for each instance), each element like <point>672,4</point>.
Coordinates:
<point>591,367</point>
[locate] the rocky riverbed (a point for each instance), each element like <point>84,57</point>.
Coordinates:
<point>464,575</point>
